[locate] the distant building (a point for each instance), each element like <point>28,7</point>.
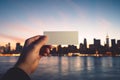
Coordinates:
<point>18,48</point>
<point>91,49</point>
<point>54,52</point>
<point>97,42</point>
<point>60,50</point>
<point>107,41</point>
<point>85,43</point>
<point>114,48</point>
<point>113,43</point>
<point>118,43</point>
<point>83,47</point>
<point>7,48</point>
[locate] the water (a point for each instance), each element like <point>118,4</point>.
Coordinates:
<point>71,68</point>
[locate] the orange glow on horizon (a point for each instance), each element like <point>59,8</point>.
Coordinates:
<point>9,54</point>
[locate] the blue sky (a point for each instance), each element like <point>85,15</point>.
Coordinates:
<point>20,19</point>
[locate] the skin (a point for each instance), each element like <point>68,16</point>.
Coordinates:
<point>33,50</point>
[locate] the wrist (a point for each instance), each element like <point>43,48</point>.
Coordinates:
<point>24,67</point>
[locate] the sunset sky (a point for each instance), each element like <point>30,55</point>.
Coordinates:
<point>21,19</point>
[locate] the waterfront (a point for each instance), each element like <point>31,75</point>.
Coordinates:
<point>69,68</point>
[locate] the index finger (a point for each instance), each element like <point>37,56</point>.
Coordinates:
<point>31,40</point>
<point>41,41</point>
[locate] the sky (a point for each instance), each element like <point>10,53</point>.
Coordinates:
<point>21,19</point>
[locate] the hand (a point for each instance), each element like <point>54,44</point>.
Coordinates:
<point>33,50</point>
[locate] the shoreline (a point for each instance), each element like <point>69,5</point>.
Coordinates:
<point>80,55</point>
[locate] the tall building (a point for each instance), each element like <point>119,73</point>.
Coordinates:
<point>113,43</point>
<point>18,47</point>
<point>82,48</point>
<point>118,43</point>
<point>107,41</point>
<point>85,43</point>
<point>7,48</point>
<point>97,42</point>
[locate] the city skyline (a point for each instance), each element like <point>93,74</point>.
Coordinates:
<point>20,20</point>
<point>95,49</point>
<point>108,42</point>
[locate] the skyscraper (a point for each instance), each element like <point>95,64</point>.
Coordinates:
<point>7,48</point>
<point>113,43</point>
<point>18,47</point>
<point>107,41</point>
<point>97,42</point>
<point>85,43</point>
<point>118,43</point>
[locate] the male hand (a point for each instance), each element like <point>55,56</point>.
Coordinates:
<point>34,49</point>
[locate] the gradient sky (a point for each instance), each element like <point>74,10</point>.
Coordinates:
<point>21,19</point>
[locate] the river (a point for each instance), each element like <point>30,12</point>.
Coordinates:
<point>71,68</point>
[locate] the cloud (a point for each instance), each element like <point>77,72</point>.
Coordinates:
<point>20,29</point>
<point>13,38</point>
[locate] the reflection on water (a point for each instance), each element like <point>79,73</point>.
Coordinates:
<point>8,59</point>
<point>69,68</point>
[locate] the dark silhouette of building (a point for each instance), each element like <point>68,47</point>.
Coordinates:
<point>113,46</point>
<point>107,41</point>
<point>98,47</point>
<point>118,43</point>
<point>97,43</point>
<point>83,47</point>
<point>54,52</point>
<point>72,48</point>
<point>18,48</point>
<point>107,48</point>
<point>114,49</point>
<point>7,48</point>
<point>60,51</point>
<point>91,49</point>
<point>85,43</point>
<point>113,43</point>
